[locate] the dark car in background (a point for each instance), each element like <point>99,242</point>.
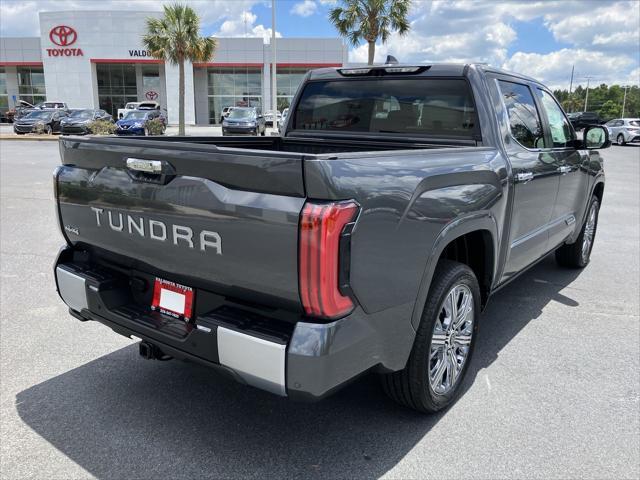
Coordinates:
<point>49,119</point>
<point>78,121</point>
<point>580,120</point>
<point>137,122</point>
<point>244,121</point>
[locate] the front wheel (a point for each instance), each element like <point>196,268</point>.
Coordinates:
<point>444,343</point>
<point>578,254</point>
<point>620,140</point>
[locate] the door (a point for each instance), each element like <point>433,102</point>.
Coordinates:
<point>571,200</point>
<point>535,176</point>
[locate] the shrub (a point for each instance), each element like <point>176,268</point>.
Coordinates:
<point>102,127</point>
<point>39,128</point>
<point>155,127</point>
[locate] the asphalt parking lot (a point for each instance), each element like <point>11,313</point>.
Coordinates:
<point>553,391</point>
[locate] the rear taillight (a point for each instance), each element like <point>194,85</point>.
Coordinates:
<point>321,228</point>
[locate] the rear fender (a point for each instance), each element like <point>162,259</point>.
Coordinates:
<point>461,226</point>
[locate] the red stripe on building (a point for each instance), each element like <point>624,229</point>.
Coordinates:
<point>20,64</point>
<point>223,64</point>
<point>128,60</point>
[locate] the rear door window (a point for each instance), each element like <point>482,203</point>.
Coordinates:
<point>524,118</point>
<point>416,107</point>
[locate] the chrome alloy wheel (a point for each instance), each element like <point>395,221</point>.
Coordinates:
<point>589,232</point>
<point>451,339</point>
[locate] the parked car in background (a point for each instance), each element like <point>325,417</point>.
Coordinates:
<point>49,119</point>
<point>579,120</point>
<point>52,106</point>
<point>283,119</point>
<point>136,122</point>
<point>244,121</point>
<point>78,121</point>
<point>19,111</point>
<point>129,107</point>
<point>225,113</point>
<point>268,118</point>
<point>624,130</point>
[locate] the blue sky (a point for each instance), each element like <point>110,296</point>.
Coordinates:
<point>541,38</point>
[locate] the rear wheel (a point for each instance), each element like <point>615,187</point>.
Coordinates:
<point>444,343</point>
<point>620,140</point>
<point>578,254</point>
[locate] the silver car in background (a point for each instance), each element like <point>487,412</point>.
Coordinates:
<point>624,130</point>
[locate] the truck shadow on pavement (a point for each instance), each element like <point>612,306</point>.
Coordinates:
<point>122,417</point>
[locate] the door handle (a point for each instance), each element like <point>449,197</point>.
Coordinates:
<point>524,177</point>
<point>564,169</point>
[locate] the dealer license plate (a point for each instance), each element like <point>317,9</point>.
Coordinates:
<point>172,299</point>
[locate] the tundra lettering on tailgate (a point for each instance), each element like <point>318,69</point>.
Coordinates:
<point>157,230</point>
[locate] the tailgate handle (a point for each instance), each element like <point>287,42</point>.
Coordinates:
<point>150,171</point>
<point>144,165</point>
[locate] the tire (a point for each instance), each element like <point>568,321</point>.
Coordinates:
<point>578,254</point>
<point>412,386</point>
<point>620,140</point>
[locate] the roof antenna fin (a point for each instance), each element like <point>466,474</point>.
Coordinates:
<point>391,60</point>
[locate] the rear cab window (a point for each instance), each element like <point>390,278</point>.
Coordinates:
<point>429,107</point>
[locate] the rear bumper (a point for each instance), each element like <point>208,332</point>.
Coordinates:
<point>302,360</point>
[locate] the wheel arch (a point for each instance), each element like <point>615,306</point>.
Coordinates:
<point>470,240</point>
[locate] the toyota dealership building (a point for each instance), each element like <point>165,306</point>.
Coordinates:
<point>96,59</point>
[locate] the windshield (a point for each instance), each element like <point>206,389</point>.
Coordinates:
<point>416,106</point>
<point>130,106</point>
<point>41,115</point>
<point>242,113</point>
<point>135,116</point>
<point>81,114</point>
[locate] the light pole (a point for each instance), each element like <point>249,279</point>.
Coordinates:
<point>274,90</point>
<point>624,101</point>
<point>586,97</point>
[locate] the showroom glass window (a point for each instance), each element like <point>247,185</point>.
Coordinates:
<point>4,98</point>
<point>31,84</point>
<point>288,79</point>
<point>233,87</point>
<point>524,118</point>
<point>116,86</point>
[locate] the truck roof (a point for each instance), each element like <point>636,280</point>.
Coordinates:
<point>433,69</point>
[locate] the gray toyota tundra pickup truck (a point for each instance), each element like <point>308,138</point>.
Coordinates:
<point>367,237</point>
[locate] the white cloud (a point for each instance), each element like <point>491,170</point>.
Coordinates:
<point>244,26</point>
<point>20,18</point>
<point>555,67</point>
<point>603,38</point>
<point>305,8</point>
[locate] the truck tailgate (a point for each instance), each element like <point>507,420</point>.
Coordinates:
<point>225,218</point>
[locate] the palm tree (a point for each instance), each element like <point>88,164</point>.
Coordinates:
<point>175,38</point>
<point>371,20</point>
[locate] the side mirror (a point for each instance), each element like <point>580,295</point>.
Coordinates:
<point>596,137</point>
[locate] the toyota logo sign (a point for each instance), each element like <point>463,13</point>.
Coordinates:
<point>63,36</point>
<point>151,95</point>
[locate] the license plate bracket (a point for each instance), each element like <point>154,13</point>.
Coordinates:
<point>171,298</point>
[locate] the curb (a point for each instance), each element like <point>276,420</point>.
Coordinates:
<point>32,138</point>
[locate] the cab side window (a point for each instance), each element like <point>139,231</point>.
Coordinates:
<point>561,133</point>
<point>524,119</point>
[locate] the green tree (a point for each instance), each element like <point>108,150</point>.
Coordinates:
<point>175,38</point>
<point>370,20</point>
<point>610,109</point>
